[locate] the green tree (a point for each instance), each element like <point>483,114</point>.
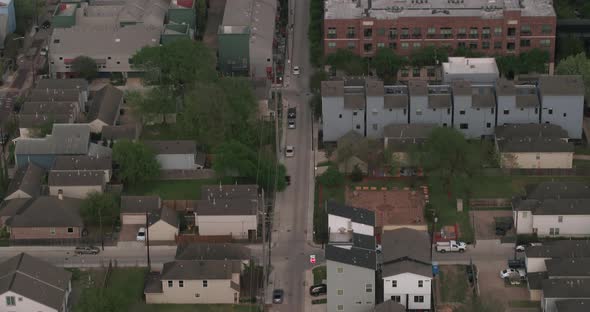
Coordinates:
<point>100,207</point>
<point>234,158</point>
<point>315,82</point>
<point>24,12</point>
<point>345,60</point>
<point>156,102</point>
<point>12,43</point>
<point>429,56</point>
<point>569,45</point>
<point>315,33</point>
<point>534,61</point>
<point>576,65</point>
<point>357,174</point>
<point>386,63</point>
<point>137,163</point>
<point>85,67</point>
<point>331,177</point>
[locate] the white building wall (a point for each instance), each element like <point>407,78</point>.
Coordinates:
<point>176,161</point>
<point>407,286</point>
<point>162,231</point>
<point>217,291</point>
<point>133,218</point>
<point>24,305</point>
<point>572,225</point>
<point>378,116</point>
<point>523,222</point>
<point>337,222</point>
<point>530,161</point>
<point>236,226</point>
<point>337,121</point>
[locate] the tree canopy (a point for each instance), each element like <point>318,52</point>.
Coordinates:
<point>386,64</point>
<point>157,101</point>
<point>100,205</point>
<point>576,65</point>
<point>533,61</point>
<point>137,163</point>
<point>348,62</point>
<point>429,56</point>
<point>85,67</point>
<point>569,45</point>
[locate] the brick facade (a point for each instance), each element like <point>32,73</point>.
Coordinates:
<point>510,34</point>
<point>43,233</point>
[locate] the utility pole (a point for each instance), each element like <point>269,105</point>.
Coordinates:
<point>264,270</point>
<point>101,232</point>
<point>147,239</point>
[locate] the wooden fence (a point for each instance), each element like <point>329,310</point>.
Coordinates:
<point>479,203</point>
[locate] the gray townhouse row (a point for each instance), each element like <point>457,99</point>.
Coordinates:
<point>367,106</point>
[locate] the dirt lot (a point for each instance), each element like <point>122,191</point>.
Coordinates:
<point>485,227</point>
<point>392,206</point>
<point>492,286</point>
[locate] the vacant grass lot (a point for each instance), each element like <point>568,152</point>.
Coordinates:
<point>453,283</point>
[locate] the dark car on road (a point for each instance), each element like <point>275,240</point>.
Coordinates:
<point>318,290</point>
<point>277,296</point>
<point>87,250</point>
<point>291,113</point>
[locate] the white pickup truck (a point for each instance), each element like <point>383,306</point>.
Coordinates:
<point>450,246</point>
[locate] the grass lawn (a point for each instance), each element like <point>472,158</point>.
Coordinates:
<point>173,189</point>
<point>582,149</point>
<point>578,163</point>
<point>453,283</point>
<point>159,132</point>
<point>319,274</point>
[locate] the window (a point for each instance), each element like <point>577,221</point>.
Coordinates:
<point>420,283</point>
<point>506,112</point>
<point>205,283</point>
<point>52,231</point>
<point>108,58</point>
<point>404,71</point>
<point>560,219</point>
<point>405,33</point>
<point>564,114</point>
<point>405,45</point>
<point>70,230</point>
<point>461,112</point>
<point>10,301</point>
<point>170,283</point>
<point>358,127</point>
<point>473,33</point>
<point>350,32</point>
<point>485,32</point>
<point>525,30</point>
<point>375,126</point>
<point>368,32</point>
<point>417,32</point>
<point>340,292</point>
<point>418,112</point>
<point>431,32</point>
<point>394,283</point>
<point>354,113</point>
<point>445,124</point>
<point>462,32</point>
<point>430,72</point>
<point>331,44</point>
<point>463,126</point>
<point>498,31</point>
<point>446,33</point>
<point>61,58</point>
<point>535,230</point>
<point>197,295</point>
<point>416,45</point>
<point>340,270</point>
<point>546,29</point>
<point>497,45</point>
<point>368,47</point>
<point>485,45</point>
<point>380,45</point>
<point>511,46</point>
<point>492,110</point>
<point>448,111</point>
<point>393,33</point>
<point>554,231</point>
<point>369,288</point>
<point>538,156</point>
<point>525,43</point>
<point>404,111</point>
<point>351,45</point>
<point>545,43</point>
<point>461,45</point>
<point>488,125</point>
<point>525,214</point>
<point>340,307</point>
<point>473,45</point>
<point>181,284</point>
<point>511,32</point>
<point>550,111</point>
<point>396,298</point>
<point>418,298</point>
<point>536,110</point>
<point>380,31</point>
<point>415,72</point>
<point>340,116</point>
<point>393,45</point>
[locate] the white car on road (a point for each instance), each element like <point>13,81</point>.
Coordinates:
<point>296,70</point>
<point>141,234</point>
<point>289,151</point>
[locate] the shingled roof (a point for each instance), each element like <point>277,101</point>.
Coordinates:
<point>27,179</point>
<point>49,211</point>
<point>358,215</point>
<point>105,104</point>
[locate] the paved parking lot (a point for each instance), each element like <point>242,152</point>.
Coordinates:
<point>484,225</point>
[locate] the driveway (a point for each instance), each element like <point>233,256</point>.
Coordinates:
<point>129,232</point>
<point>492,286</point>
<point>484,225</point>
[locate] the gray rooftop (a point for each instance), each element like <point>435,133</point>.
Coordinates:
<point>461,88</point>
<point>374,87</point>
<point>360,257</point>
<point>406,250</point>
<point>560,249</point>
<point>357,215</point>
<point>229,191</point>
<point>165,214</point>
<point>207,251</point>
<point>49,108</point>
<point>27,179</point>
<point>354,101</point>
<point>439,101</point>
<point>418,87</point>
<point>227,207</point>
<point>557,190</point>
<point>580,305</point>
<point>535,145</point>
<point>200,270</point>
<point>561,267</point>
<point>332,88</point>
<point>65,139</point>
<point>172,147</point>
<point>63,84</point>
<point>54,95</point>
<point>127,132</point>
<point>105,104</point>
<point>139,204</point>
<point>483,96</point>
<point>561,85</point>
<point>530,130</point>
<point>75,163</point>
<point>50,211</point>
<point>38,121</point>
<point>76,178</point>
<point>566,288</point>
<point>35,279</point>
<point>562,207</point>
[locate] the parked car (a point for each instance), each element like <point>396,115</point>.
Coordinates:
<point>46,25</point>
<point>289,151</point>
<point>291,112</point>
<point>407,172</point>
<point>141,234</point>
<point>318,290</point>
<point>86,250</point>
<point>277,296</point>
<point>296,70</point>
<point>291,123</point>
<point>523,247</point>
<point>450,246</point>
<point>288,180</point>
<point>516,263</point>
<point>506,273</point>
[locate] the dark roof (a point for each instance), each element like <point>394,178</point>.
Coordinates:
<point>105,104</point>
<point>165,214</point>
<point>72,163</point>
<point>439,100</point>
<point>568,267</point>
<point>358,215</point>
<point>76,178</point>
<point>35,279</point>
<point>418,87</point>
<point>172,147</point>
<point>354,256</point>
<point>229,191</point>
<point>406,266</point>
<point>128,132</point>
<point>406,250</point>
<point>207,251</point>
<point>389,306</point>
<point>530,130</point>
<point>561,85</point>
<point>410,131</point>
<point>332,88</point>
<point>227,207</point>
<point>363,241</point>
<point>37,121</point>
<point>54,95</point>
<point>374,87</point>
<point>138,204</point>
<point>65,139</point>
<point>580,305</point>
<point>560,249</point>
<point>74,83</point>
<point>461,87</point>
<point>562,207</point>
<point>48,108</point>
<point>524,100</point>
<point>199,270</point>
<point>354,100</point>
<point>12,207</point>
<point>535,145</point>
<point>557,190</point>
<point>483,97</point>
<point>535,280</point>
<point>395,101</point>
<point>27,179</point>
<point>49,211</point>
<point>566,288</point>
<point>153,285</point>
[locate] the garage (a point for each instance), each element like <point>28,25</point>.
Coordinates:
<point>134,208</point>
<point>132,218</point>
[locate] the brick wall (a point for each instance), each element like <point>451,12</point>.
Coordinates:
<point>43,233</point>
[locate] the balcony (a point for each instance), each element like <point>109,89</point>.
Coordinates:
<point>461,36</point>
<point>447,36</point>
<point>416,36</point>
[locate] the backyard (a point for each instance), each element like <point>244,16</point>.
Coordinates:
<point>174,189</point>
<point>453,284</point>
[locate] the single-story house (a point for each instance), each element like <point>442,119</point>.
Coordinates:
<point>84,163</point>
<point>235,217</point>
<point>194,282</point>
<point>112,134</point>
<point>104,108</point>
<point>26,182</point>
<point>30,284</point>
<point>12,207</point>
<point>177,155</point>
<point>209,251</point>
<point>532,146</point>
<point>402,139</point>
<point>163,221</point>
<point>47,217</point>
<point>76,184</point>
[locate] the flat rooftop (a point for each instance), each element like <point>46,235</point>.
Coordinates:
<point>464,65</point>
<point>393,9</point>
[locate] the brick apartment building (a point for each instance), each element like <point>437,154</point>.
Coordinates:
<point>491,27</point>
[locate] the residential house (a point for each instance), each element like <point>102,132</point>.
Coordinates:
<point>533,146</point>
<point>237,217</point>
<point>344,220</point>
<point>208,251</point>
<point>177,155</point>
<point>30,284</point>
<point>407,268</point>
<point>26,182</point>
<point>47,218</point>
<point>562,99</point>
<point>12,207</point>
<point>536,256</point>
<point>104,109</point>
<point>65,139</point>
<point>112,134</point>
<point>35,117</point>
<point>402,139</point>
<point>77,184</point>
<point>162,222</point>
<point>562,211</point>
<point>516,104</point>
<point>195,282</point>
<point>7,20</point>
<point>474,108</point>
<point>563,289</point>
<point>78,84</point>
<point>67,164</point>
<point>343,108</point>
<point>385,105</point>
<point>59,95</point>
<point>475,69</point>
<point>430,104</point>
